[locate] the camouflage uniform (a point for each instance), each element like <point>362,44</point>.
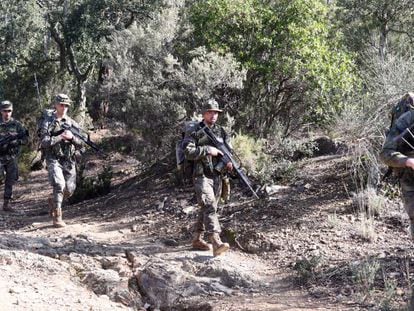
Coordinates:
<point>207,181</point>
<point>60,157</point>
<point>395,154</point>
<point>207,178</point>
<point>10,152</point>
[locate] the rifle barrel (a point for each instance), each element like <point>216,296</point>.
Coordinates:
<point>227,154</point>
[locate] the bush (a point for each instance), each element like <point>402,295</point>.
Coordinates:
<point>369,202</point>
<point>92,186</point>
<point>25,162</point>
<point>253,157</point>
<point>306,269</point>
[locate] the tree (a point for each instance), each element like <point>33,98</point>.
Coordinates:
<point>152,89</point>
<point>21,29</point>
<point>81,30</point>
<point>297,69</point>
<point>374,23</point>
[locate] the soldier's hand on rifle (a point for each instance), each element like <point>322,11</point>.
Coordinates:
<point>229,166</point>
<point>67,135</point>
<point>213,151</point>
<point>410,163</point>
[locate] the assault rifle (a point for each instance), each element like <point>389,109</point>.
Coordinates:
<point>81,134</point>
<point>9,138</point>
<point>228,157</point>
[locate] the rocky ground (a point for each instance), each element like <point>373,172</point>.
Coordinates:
<point>303,246</point>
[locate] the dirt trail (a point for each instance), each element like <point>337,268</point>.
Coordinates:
<point>39,265</point>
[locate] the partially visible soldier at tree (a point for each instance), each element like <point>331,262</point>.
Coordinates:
<point>9,152</point>
<point>59,148</point>
<point>207,180</point>
<point>398,153</point>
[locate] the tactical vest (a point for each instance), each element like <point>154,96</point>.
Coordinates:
<point>11,127</point>
<point>207,165</point>
<point>63,149</point>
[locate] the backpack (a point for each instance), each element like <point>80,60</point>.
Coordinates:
<point>406,103</point>
<point>37,162</point>
<point>45,116</point>
<point>184,166</point>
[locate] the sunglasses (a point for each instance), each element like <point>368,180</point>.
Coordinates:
<point>64,105</point>
<point>7,110</point>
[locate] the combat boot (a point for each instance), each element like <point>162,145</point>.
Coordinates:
<point>218,246</point>
<point>51,205</point>
<point>57,218</point>
<point>6,206</point>
<point>198,242</point>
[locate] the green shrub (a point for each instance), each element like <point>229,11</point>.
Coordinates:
<point>25,162</point>
<point>306,269</point>
<point>253,157</point>
<point>92,186</point>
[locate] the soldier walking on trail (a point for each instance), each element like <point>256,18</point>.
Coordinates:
<point>207,180</point>
<point>13,135</point>
<point>59,150</point>
<point>398,153</point>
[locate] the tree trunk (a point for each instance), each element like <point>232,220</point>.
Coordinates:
<point>383,41</point>
<point>81,96</point>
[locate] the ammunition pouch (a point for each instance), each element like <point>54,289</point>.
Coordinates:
<point>225,190</point>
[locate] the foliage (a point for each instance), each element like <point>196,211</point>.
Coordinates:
<point>297,69</point>
<point>364,276</point>
<point>92,186</point>
<point>385,25</point>
<point>369,202</point>
<point>25,161</point>
<point>253,157</point>
<point>306,269</point>
<point>21,27</point>
<point>164,91</point>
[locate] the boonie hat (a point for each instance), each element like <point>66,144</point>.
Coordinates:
<point>62,99</point>
<point>211,105</point>
<point>6,105</point>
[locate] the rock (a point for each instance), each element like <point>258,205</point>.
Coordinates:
<point>254,242</point>
<point>160,285</point>
<point>273,189</point>
<point>229,276</point>
<point>325,146</point>
<point>117,264</point>
<point>189,210</point>
<point>101,282</point>
<point>109,283</point>
<point>136,260</point>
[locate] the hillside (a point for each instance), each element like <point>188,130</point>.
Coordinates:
<point>303,246</point>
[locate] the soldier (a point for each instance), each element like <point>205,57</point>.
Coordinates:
<point>398,153</point>
<point>59,150</point>
<point>15,135</point>
<point>207,180</point>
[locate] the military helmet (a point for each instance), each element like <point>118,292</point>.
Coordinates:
<point>62,99</point>
<point>6,105</point>
<point>211,105</point>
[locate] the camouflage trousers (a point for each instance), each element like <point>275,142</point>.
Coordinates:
<point>62,177</point>
<point>208,192</point>
<point>9,167</point>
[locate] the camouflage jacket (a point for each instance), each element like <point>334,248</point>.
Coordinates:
<point>196,150</point>
<point>395,152</point>
<point>52,144</point>
<point>12,127</point>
